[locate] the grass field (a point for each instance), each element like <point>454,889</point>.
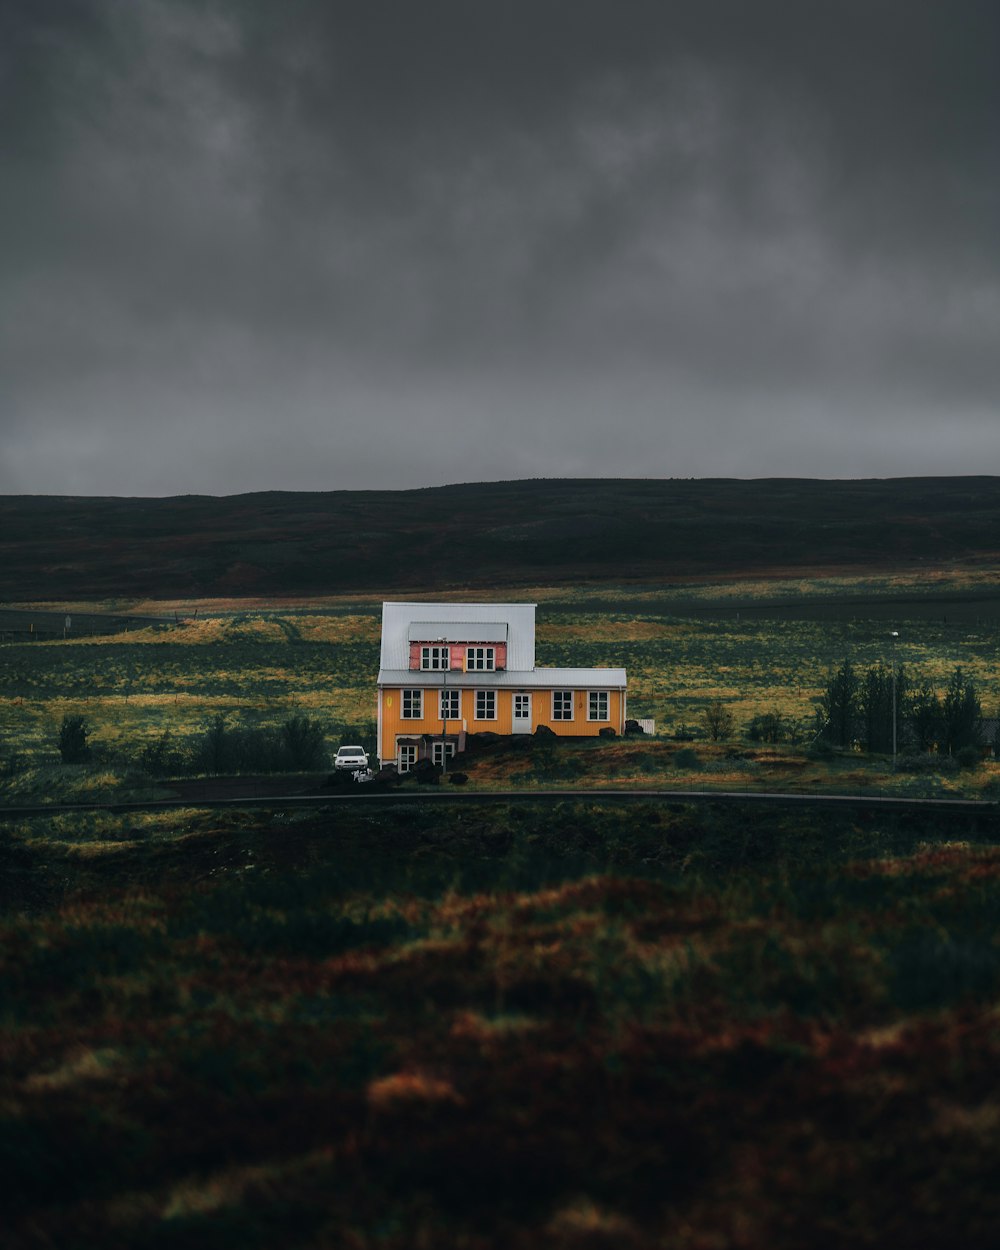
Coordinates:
<point>684,649</point>
<point>573,1026</point>
<point>503,1028</point>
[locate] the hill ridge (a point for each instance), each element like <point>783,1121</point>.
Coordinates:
<point>489,534</point>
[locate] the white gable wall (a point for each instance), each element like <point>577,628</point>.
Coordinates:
<point>397,618</point>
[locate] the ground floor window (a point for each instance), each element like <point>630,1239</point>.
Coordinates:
<point>413,704</point>
<point>406,756</point>
<point>441,751</point>
<point>486,705</point>
<point>562,704</point>
<point>597,707</point>
<point>448,708</point>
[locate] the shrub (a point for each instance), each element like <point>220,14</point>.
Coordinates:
<point>688,760</point>
<point>73,734</point>
<point>304,743</point>
<point>968,757</point>
<point>161,758</point>
<point>927,762</point>
<point>767,727</point>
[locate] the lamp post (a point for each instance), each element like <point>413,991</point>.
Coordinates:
<point>894,635</point>
<point>444,705</point>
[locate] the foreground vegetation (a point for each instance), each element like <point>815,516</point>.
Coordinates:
<point>574,1026</point>
<point>507,1028</point>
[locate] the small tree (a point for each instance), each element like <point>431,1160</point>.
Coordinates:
<point>215,750</point>
<point>73,734</point>
<point>923,712</point>
<point>960,714</point>
<point>718,720</point>
<point>304,743</point>
<point>875,699</point>
<point>839,706</point>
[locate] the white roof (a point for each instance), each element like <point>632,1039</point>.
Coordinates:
<point>519,619</point>
<point>539,678</point>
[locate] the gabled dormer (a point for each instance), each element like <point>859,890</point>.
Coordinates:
<point>465,647</point>
<point>458,637</point>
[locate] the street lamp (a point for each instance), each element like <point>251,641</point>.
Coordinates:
<point>444,705</point>
<point>894,635</point>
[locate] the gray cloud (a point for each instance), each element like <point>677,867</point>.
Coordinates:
<point>255,246</point>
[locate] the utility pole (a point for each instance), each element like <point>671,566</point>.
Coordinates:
<point>894,636</point>
<point>444,705</point>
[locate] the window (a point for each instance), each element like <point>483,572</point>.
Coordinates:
<point>435,658</point>
<point>437,754</point>
<point>413,704</point>
<point>486,705</point>
<point>562,704</point>
<point>448,705</point>
<point>479,659</point>
<point>407,757</point>
<point>597,706</point>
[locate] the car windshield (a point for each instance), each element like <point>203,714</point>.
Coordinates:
<point>351,751</point>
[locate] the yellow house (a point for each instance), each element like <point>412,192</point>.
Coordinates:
<point>448,669</point>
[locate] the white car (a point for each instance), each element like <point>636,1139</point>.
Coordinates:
<point>351,759</point>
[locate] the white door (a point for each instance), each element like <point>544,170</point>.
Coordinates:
<point>521,722</point>
<point>406,757</point>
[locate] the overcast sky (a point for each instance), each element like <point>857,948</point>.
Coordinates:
<point>306,244</point>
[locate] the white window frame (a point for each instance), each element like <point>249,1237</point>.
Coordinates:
<point>454,710</point>
<point>414,699</point>
<point>484,698</point>
<point>480,659</point>
<point>594,700</point>
<point>449,751</point>
<point>406,756</point>
<point>435,659</point>
<point>562,701</point>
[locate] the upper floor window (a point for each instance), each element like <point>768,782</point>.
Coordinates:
<point>413,704</point>
<point>448,708</point>
<point>435,658</point>
<point>562,704</point>
<point>597,705</point>
<point>480,659</point>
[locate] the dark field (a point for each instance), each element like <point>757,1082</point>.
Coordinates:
<point>501,1027</point>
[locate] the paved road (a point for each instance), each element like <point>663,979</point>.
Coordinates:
<point>431,794</point>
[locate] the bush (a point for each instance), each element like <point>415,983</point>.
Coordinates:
<point>927,762</point>
<point>767,727</point>
<point>73,734</point>
<point>303,743</point>
<point>968,757</point>
<point>161,758</point>
<point>688,760</point>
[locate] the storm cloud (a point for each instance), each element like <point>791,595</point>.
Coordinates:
<point>249,245</point>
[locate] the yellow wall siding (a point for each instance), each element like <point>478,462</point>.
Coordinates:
<point>541,714</point>
<point>579,726</point>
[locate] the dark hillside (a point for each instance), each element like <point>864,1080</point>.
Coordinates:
<point>488,534</point>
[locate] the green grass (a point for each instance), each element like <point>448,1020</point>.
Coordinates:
<point>522,1026</point>
<point>258,666</point>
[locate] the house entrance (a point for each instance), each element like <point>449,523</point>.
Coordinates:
<point>521,721</point>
